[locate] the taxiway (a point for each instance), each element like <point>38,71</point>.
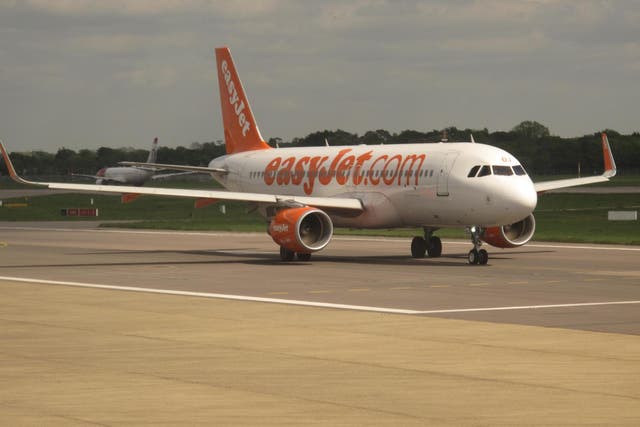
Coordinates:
<point>124,327</point>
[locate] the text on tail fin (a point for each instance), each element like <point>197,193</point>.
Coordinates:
<point>240,129</point>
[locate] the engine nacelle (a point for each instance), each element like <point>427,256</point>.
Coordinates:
<point>511,235</point>
<point>302,230</point>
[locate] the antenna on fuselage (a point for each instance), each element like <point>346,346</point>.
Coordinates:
<point>326,142</point>
<point>473,141</point>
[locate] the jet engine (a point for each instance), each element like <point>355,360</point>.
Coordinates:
<point>302,229</point>
<point>511,235</point>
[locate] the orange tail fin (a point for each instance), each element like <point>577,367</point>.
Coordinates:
<point>241,132</point>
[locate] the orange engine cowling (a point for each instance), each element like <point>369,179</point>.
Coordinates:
<point>303,230</point>
<point>511,235</point>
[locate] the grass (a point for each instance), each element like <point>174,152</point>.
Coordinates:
<point>559,217</point>
<point>617,181</point>
<point>583,218</point>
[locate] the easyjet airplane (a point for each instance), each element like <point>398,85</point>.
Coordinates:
<point>304,192</point>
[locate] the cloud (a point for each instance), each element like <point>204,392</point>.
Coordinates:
<point>123,42</point>
<point>154,77</point>
<point>309,65</point>
<point>117,7</point>
<point>229,8</point>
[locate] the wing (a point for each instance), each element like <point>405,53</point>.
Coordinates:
<point>351,204</point>
<point>155,166</point>
<point>609,172</point>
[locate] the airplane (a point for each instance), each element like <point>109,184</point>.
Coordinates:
<point>303,192</point>
<point>130,175</point>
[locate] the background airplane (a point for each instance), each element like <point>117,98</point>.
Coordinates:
<point>304,192</point>
<point>131,175</point>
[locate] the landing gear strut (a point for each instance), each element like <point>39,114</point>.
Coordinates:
<point>429,245</point>
<point>476,255</point>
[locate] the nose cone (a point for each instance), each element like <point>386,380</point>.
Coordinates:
<point>524,198</point>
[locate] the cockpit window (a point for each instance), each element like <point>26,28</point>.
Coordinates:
<point>484,171</point>
<point>519,170</point>
<point>502,170</point>
<point>473,171</point>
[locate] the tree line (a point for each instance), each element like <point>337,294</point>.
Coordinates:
<point>540,152</point>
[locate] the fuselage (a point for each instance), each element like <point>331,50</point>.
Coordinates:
<point>399,185</point>
<point>123,175</point>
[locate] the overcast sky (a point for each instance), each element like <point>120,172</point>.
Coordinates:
<point>91,73</point>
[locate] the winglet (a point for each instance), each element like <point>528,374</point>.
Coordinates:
<point>609,162</point>
<point>11,169</point>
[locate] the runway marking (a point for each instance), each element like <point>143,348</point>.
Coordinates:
<point>597,279</point>
<point>526,307</point>
<point>398,240</point>
<point>320,291</point>
<point>519,283</point>
<point>401,288</point>
<point>278,293</point>
<point>302,302</point>
<point>359,289</point>
<point>550,282</point>
<point>438,286</point>
<point>478,284</point>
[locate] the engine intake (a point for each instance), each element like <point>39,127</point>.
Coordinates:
<point>510,235</point>
<point>302,230</point>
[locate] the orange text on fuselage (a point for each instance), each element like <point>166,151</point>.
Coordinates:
<point>344,168</point>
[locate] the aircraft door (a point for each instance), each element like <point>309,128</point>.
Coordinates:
<point>448,160</point>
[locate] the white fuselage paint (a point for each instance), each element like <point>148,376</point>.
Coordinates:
<point>124,175</point>
<point>399,185</point>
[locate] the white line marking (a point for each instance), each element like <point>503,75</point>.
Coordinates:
<point>211,295</point>
<point>527,307</point>
<point>304,303</point>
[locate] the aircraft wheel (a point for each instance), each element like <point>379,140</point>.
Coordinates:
<point>434,250</point>
<point>418,247</point>
<point>474,257</point>
<point>303,256</point>
<point>286,254</point>
<point>483,257</point>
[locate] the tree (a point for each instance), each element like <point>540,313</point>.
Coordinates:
<point>531,130</point>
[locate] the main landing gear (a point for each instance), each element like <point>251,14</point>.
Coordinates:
<point>476,255</point>
<point>287,255</point>
<point>428,245</point>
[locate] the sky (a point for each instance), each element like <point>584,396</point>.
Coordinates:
<point>92,73</point>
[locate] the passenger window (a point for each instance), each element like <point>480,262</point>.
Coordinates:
<point>473,171</point>
<point>484,171</point>
<point>519,170</point>
<point>502,170</point>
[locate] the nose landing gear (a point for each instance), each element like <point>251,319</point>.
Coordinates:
<point>476,255</point>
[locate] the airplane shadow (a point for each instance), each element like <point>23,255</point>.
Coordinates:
<point>247,257</point>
